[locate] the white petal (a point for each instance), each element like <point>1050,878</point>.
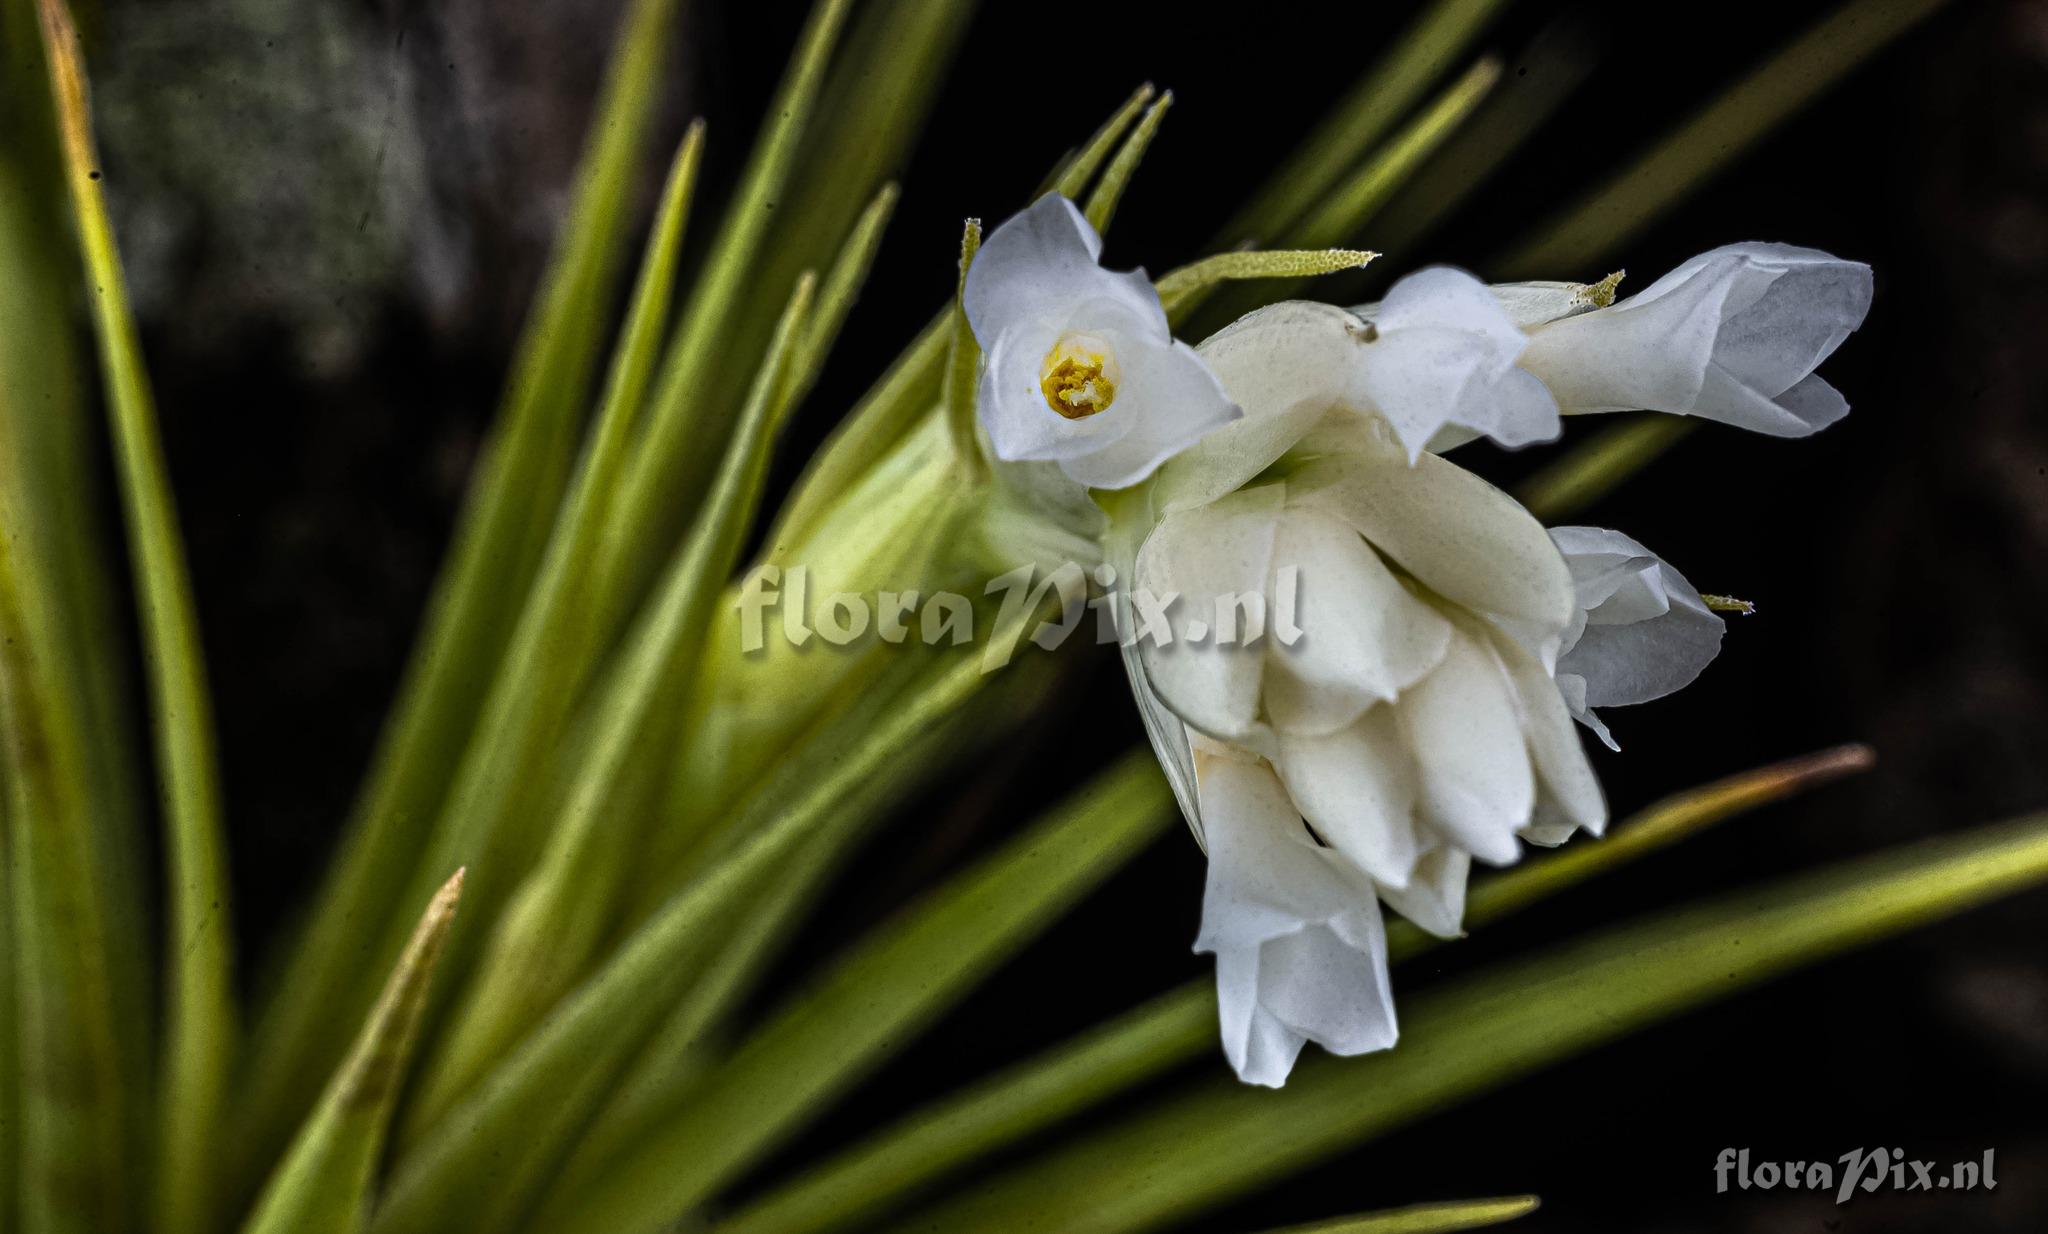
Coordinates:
<point>1444,353</point>
<point>1562,772</point>
<point>1458,535</point>
<point>1037,264</point>
<point>1287,366</point>
<point>1648,632</point>
<point>1357,789</point>
<point>1168,400</point>
<point>1364,638</point>
<point>1731,335</point>
<point>1299,944</point>
<point>1434,898</point>
<point>1224,548</point>
<point>1476,782</point>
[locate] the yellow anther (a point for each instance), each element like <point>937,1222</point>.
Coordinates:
<point>1079,376</point>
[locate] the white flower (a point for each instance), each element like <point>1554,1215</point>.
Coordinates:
<point>1301,951</point>
<point>1442,352</point>
<point>1079,364</point>
<point>1413,725</point>
<point>1733,335</point>
<point>1417,709</point>
<point>1642,631</point>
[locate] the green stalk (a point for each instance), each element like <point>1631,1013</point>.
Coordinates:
<point>1180,1026</point>
<point>199,1016</point>
<point>1221,1139</point>
<point>872,1003</point>
<point>478,1167</point>
<point>1344,211</point>
<point>554,922</point>
<point>963,365</point>
<point>73,1094</point>
<point>662,1079</point>
<point>1425,1218</point>
<point>1116,177</point>
<point>688,422</point>
<point>1720,133</point>
<point>324,1183</point>
<point>1595,467</point>
<point>1425,50</point>
<point>323,984</point>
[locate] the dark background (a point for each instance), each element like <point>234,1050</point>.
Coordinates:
<point>334,217</point>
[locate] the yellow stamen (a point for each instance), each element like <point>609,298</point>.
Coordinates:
<point>1079,376</point>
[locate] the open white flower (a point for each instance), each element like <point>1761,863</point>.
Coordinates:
<point>1412,726</point>
<point>1416,711</point>
<point>1442,353</point>
<point>1733,335</point>
<point>1079,364</point>
<point>1642,630</point>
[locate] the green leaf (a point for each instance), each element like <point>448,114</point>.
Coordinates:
<point>1595,467</point>
<point>73,1078</point>
<point>1425,50</point>
<point>1179,1026</point>
<point>836,296</point>
<point>872,1003</point>
<point>544,941</point>
<point>676,1059</point>
<point>505,1137</point>
<point>690,416</point>
<point>963,365</point>
<point>1222,1139</point>
<point>1079,167</point>
<point>1550,71</point>
<point>1345,210</point>
<point>322,983</point>
<point>1720,133</point>
<point>1109,191</point>
<point>323,1184</point>
<point>199,1017</point>
<point>1425,1218</point>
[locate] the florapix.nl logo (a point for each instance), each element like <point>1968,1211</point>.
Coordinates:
<point>1859,1169</point>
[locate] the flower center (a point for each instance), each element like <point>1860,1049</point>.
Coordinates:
<point>1079,376</point>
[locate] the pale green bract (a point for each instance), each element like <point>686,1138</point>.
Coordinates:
<point>650,754</point>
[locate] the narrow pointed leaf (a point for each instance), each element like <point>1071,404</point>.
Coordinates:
<point>1180,1025</point>
<point>1436,40</point>
<point>872,1003</point>
<point>1223,1139</point>
<point>496,548</point>
<point>507,1136</point>
<point>1109,191</point>
<point>836,296</point>
<point>691,414</point>
<point>1425,1218</point>
<point>1593,468</point>
<point>543,942</point>
<point>963,365</point>
<point>1073,175</point>
<point>1179,288</point>
<point>73,1095</point>
<point>200,1018</point>
<point>493,816</point>
<point>323,1184</point>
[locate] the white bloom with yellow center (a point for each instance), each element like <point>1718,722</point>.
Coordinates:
<point>1079,364</point>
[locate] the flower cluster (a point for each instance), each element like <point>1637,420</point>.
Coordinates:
<point>1425,718</point>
